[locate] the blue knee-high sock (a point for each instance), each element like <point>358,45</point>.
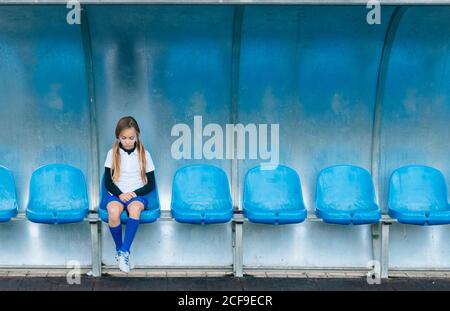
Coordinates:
<point>130,232</point>
<point>117,236</point>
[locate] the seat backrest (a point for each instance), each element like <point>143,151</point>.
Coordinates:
<point>58,184</point>
<point>344,186</point>
<point>417,187</point>
<point>8,196</point>
<point>200,184</point>
<point>274,187</point>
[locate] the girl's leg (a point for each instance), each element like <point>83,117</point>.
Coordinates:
<point>134,210</point>
<point>114,210</point>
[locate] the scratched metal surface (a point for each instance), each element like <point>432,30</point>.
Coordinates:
<point>45,119</point>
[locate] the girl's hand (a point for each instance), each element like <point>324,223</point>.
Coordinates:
<point>125,197</point>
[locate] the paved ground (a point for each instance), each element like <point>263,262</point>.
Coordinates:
<point>25,283</point>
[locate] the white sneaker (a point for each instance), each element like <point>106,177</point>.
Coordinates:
<point>124,261</point>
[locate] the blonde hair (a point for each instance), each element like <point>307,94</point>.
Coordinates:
<point>127,123</point>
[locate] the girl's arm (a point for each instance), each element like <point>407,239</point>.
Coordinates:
<point>146,189</point>
<point>109,184</point>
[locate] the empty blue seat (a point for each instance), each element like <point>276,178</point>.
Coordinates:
<point>273,196</point>
<point>149,215</point>
<point>58,195</point>
<point>8,201</point>
<point>418,196</point>
<point>345,195</point>
<point>201,194</point>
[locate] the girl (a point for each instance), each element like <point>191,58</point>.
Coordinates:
<point>129,176</point>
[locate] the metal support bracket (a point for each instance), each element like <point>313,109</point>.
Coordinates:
<point>238,255</point>
<point>96,247</point>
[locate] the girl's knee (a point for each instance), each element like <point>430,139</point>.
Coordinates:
<point>135,209</point>
<point>114,210</point>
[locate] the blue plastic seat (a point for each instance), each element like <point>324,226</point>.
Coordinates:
<point>58,195</point>
<point>273,196</point>
<point>8,200</point>
<point>201,195</point>
<point>418,196</point>
<point>345,195</point>
<point>148,215</point>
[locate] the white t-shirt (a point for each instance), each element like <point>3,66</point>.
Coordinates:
<point>130,172</point>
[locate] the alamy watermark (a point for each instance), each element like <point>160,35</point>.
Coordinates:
<point>373,276</point>
<point>230,142</point>
<point>73,17</point>
<point>73,276</point>
<point>374,15</point>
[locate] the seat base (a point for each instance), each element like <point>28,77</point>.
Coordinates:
<point>6,215</point>
<point>58,217</point>
<point>202,217</point>
<point>357,217</point>
<point>421,218</point>
<point>273,217</point>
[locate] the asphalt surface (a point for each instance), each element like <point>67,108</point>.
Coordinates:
<point>220,284</point>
